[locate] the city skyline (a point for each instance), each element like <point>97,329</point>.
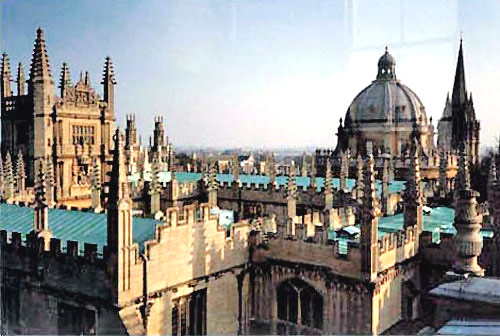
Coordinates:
<point>285,73</point>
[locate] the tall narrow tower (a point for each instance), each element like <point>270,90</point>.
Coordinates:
<point>41,90</point>
<point>119,239</point>
<point>369,224</point>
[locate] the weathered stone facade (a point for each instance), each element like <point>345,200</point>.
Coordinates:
<point>71,129</point>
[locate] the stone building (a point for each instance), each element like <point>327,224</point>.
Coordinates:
<point>71,128</point>
<point>388,114</point>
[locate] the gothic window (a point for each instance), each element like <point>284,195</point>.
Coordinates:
<point>300,303</point>
<point>83,135</point>
<point>189,314</point>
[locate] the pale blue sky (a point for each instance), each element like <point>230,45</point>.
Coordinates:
<point>262,72</point>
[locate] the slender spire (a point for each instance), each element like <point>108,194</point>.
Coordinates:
<point>87,78</point>
<point>235,167</point>
<point>9,177</point>
<point>20,79</point>
<point>40,67</point>
<point>459,95</point>
<point>109,72</point>
<point>108,82</point>
<point>118,185</point>
<point>6,76</point>
<point>20,173</point>
<point>65,79</point>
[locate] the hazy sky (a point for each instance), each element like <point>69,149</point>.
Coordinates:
<point>262,72</point>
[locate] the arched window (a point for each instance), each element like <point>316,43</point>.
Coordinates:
<point>300,303</point>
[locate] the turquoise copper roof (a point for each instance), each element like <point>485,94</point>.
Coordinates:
<point>183,177</point>
<point>439,221</point>
<point>83,227</point>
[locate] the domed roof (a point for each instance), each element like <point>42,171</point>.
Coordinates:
<point>386,100</point>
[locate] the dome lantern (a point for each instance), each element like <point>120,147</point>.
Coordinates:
<point>386,66</point>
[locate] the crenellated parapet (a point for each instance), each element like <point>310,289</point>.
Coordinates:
<point>395,248</point>
<point>79,271</point>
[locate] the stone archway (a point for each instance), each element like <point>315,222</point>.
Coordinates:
<point>300,306</point>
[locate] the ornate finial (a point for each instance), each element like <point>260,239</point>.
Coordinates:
<point>213,184</point>
<point>109,72</point>
<point>386,49</point>
<point>41,186</point>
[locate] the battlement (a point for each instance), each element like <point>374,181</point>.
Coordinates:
<point>159,119</point>
<point>33,244</point>
<point>59,266</point>
<point>342,260</point>
<point>397,247</point>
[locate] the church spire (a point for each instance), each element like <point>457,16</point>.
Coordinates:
<point>459,95</point>
<point>40,68</point>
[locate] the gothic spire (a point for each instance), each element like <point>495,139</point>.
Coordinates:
<point>118,185</point>
<point>20,79</point>
<point>459,95</point>
<point>40,67</point>
<point>65,79</point>
<point>108,82</point>
<point>6,76</point>
<point>108,75</point>
<point>20,172</point>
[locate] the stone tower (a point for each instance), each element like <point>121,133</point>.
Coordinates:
<point>119,222</point>
<point>41,89</point>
